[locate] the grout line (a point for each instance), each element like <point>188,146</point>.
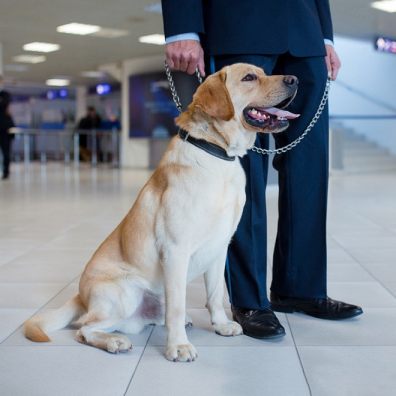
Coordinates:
<point>298,354</point>
<point>137,364</point>
<point>369,272</point>
<point>41,307</point>
<point>379,281</point>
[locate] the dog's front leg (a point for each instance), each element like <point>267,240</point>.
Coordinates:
<point>214,282</point>
<point>175,276</point>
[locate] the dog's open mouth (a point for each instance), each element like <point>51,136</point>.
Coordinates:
<point>273,119</point>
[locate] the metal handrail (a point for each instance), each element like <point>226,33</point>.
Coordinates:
<point>362,117</point>
<point>27,134</point>
<point>366,96</point>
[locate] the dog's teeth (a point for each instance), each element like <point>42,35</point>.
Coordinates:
<point>254,111</point>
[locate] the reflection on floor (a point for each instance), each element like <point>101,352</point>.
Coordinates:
<point>52,218</point>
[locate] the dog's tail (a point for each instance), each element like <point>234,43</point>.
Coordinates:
<point>35,328</point>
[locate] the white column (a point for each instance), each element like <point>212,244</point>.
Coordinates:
<point>81,101</point>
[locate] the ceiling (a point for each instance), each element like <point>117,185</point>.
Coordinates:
<point>23,21</point>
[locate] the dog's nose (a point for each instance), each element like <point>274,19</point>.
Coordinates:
<point>291,81</point>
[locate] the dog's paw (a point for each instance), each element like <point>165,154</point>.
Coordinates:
<point>80,338</point>
<point>228,329</point>
<point>117,344</point>
<point>181,353</point>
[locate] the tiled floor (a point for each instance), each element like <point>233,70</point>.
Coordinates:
<point>51,219</point>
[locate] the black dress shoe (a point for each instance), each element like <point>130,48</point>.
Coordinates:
<point>322,308</point>
<point>258,323</point>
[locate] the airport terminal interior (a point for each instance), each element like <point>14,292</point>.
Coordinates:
<point>93,115</point>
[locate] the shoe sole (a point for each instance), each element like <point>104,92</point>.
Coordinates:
<point>270,337</point>
<point>288,309</point>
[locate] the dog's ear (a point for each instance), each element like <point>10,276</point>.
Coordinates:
<point>212,97</point>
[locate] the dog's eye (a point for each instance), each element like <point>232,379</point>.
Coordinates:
<point>249,77</point>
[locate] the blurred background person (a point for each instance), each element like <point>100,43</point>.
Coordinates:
<point>91,121</point>
<point>6,123</point>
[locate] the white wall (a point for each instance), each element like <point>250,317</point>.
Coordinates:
<point>373,73</point>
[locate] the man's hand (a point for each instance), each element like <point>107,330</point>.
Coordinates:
<point>186,56</point>
<point>332,61</point>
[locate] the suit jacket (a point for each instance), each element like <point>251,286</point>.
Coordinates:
<point>252,26</point>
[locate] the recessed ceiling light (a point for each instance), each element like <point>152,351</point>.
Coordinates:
<point>29,58</point>
<point>158,39</point>
<point>93,74</point>
<point>16,68</point>
<point>57,82</point>
<point>78,28</point>
<point>41,47</point>
<point>110,33</point>
<point>385,5</point>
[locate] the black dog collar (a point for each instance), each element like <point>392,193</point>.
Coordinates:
<point>210,148</point>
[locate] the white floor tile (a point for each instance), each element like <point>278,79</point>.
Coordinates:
<point>383,272</point>
<point>386,240</point>
<point>27,295</point>
<point>376,255</point>
<point>218,371</point>
<point>65,371</point>
<point>43,271</point>
<point>375,327</point>
<point>11,319</point>
<point>335,256</point>
<point>348,272</point>
<point>350,371</point>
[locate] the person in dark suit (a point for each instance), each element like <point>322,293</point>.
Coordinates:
<point>91,121</point>
<point>291,37</point>
<point>6,123</point>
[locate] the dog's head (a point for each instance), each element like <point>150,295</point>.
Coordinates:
<point>236,101</point>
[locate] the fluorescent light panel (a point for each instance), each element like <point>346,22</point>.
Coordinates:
<point>78,28</point>
<point>29,58</point>
<point>58,82</point>
<point>386,5</point>
<point>110,33</point>
<point>41,47</point>
<point>158,39</point>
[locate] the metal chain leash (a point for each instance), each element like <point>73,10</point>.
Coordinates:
<point>280,150</point>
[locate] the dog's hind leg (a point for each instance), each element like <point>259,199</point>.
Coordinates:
<point>106,313</point>
<point>94,332</point>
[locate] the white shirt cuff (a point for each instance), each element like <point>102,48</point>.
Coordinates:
<point>183,36</point>
<point>328,42</point>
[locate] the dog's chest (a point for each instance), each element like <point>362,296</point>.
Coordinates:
<point>225,205</point>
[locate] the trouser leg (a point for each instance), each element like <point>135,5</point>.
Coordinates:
<point>299,265</point>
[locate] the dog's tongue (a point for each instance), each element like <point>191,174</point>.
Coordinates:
<point>281,113</point>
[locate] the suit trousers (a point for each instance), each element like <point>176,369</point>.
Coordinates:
<point>299,257</point>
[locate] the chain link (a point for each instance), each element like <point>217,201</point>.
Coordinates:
<point>280,150</point>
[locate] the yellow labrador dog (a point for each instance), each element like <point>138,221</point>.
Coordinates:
<point>181,223</point>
